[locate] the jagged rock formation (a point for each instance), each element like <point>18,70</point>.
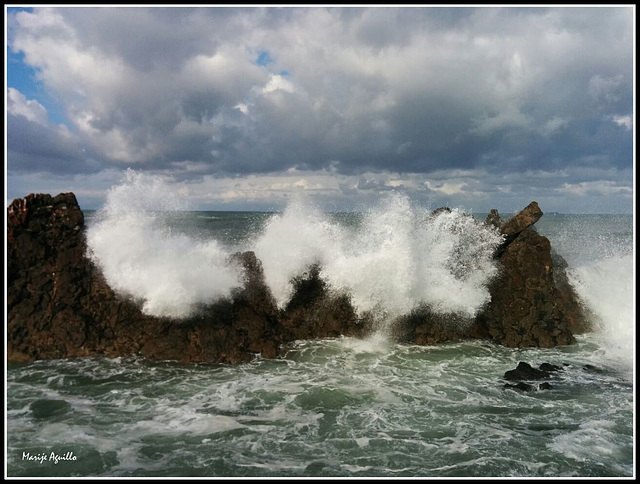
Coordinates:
<point>532,302</point>
<point>59,305</point>
<point>528,306</point>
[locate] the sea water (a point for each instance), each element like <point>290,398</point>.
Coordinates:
<point>339,407</point>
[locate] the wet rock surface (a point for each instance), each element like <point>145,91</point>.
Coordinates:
<point>59,305</point>
<point>524,373</point>
<point>532,303</point>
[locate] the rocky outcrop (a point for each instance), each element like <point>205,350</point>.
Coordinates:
<point>59,305</point>
<point>521,221</point>
<point>532,303</point>
<point>529,307</point>
<point>44,245</point>
<point>525,307</point>
<point>493,219</point>
<point>423,326</point>
<point>315,311</point>
<point>515,225</point>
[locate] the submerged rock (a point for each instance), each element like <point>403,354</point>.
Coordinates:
<point>525,387</point>
<point>423,326</point>
<point>549,368</point>
<point>59,305</point>
<point>524,371</point>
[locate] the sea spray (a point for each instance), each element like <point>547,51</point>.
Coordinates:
<point>140,256</point>
<point>374,262</point>
<point>293,241</point>
<point>606,288</point>
<point>599,252</point>
<point>398,258</point>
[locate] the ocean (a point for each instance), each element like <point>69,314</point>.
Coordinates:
<point>339,407</point>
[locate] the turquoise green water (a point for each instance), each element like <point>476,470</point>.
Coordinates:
<point>327,408</point>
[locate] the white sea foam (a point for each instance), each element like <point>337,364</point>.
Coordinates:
<point>399,257</point>
<point>440,412</point>
<point>594,439</point>
<point>291,242</point>
<point>374,343</point>
<point>140,256</point>
<point>606,287</point>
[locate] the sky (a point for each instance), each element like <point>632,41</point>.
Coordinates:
<point>242,108</point>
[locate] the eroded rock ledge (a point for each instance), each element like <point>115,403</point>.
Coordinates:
<point>59,305</point>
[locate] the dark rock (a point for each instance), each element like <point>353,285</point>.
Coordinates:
<point>316,311</point>
<point>524,371</point>
<point>522,220</point>
<point>493,218</point>
<point>308,289</point>
<point>532,301</point>
<point>593,369</point>
<point>59,305</point>
<point>517,224</point>
<point>423,326</point>
<point>549,368</point>
<point>440,210</point>
<point>44,409</point>
<point>527,308</point>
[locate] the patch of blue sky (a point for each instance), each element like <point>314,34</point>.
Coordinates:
<point>20,75</point>
<point>264,58</point>
<point>24,78</point>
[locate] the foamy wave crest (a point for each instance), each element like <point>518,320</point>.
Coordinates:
<point>139,256</point>
<point>399,257</point>
<point>606,287</point>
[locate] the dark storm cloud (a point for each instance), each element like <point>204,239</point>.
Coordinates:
<point>346,90</point>
<point>32,147</point>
